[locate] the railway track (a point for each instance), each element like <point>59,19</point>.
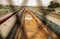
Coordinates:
<point>33,28</point>
<point>6,17</point>
<point>49,20</point>
<point>9,26</point>
<point>29,27</point>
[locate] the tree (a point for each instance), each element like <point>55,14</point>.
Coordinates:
<point>53,5</point>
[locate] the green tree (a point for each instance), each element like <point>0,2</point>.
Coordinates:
<point>53,5</point>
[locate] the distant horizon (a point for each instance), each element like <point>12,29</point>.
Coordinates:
<point>29,2</point>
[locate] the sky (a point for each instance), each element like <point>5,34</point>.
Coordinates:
<point>32,3</point>
<point>45,2</point>
<point>17,2</point>
<point>29,3</point>
<point>4,2</point>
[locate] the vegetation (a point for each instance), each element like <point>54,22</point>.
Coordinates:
<point>53,5</point>
<point>7,8</point>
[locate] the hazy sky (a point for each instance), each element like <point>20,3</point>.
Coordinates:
<point>29,3</point>
<point>32,3</point>
<point>45,2</point>
<point>4,2</point>
<point>17,2</point>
